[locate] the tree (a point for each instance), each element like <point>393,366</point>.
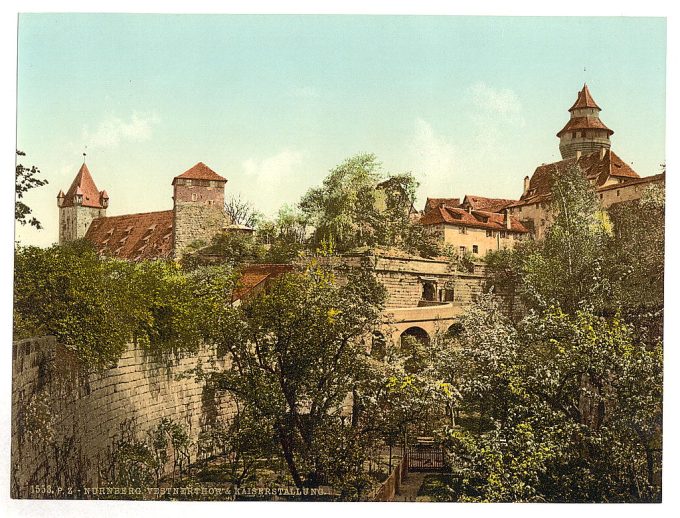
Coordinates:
<point>99,305</point>
<point>294,352</point>
<point>359,205</point>
<point>25,180</point>
<point>285,236</point>
<point>572,405</point>
<point>231,247</point>
<point>241,212</point>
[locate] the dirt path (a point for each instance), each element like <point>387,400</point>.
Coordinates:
<point>409,487</point>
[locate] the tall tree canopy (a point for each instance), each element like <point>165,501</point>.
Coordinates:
<point>26,179</point>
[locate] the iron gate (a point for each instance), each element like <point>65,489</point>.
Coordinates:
<point>426,458</point>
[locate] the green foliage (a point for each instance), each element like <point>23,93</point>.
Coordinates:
<point>232,248</point>
<point>575,404</point>
<point>285,237</point>
<point>294,354</point>
<point>99,305</point>
<point>68,292</point>
<point>358,205</point>
<point>25,180</point>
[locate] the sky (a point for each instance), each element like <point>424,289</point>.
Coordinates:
<point>469,105</point>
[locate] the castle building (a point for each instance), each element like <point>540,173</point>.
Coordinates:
<point>585,143</point>
<point>197,215</point>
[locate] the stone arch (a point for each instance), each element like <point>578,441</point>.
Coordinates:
<point>416,332</point>
<point>455,330</point>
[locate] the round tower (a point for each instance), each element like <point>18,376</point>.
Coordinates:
<point>585,132</point>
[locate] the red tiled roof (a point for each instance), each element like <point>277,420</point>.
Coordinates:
<point>256,275</point>
<point>432,203</point>
<point>200,172</point>
<point>593,167</point>
<point>485,204</point>
<point>84,185</point>
<point>476,219</point>
<point>584,100</point>
<point>579,123</point>
<point>634,181</point>
<point>133,236</point>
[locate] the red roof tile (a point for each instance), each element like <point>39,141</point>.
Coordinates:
<point>200,172</point>
<point>485,204</point>
<point>594,168</point>
<point>432,203</point>
<point>83,185</point>
<point>580,123</point>
<point>584,100</point>
<point>133,236</point>
<point>476,219</point>
<point>634,181</point>
<point>255,276</point>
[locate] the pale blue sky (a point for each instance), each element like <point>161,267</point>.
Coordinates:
<point>470,105</point>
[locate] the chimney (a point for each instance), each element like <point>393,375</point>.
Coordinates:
<point>526,185</point>
<point>469,209</point>
<point>506,219</point>
<point>578,155</point>
<point>603,152</point>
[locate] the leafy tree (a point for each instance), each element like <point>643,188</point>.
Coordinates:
<point>294,352</point>
<point>232,248</point>
<point>358,205</point>
<point>285,236</point>
<point>573,404</point>
<point>25,180</point>
<point>241,212</point>
<point>99,305</point>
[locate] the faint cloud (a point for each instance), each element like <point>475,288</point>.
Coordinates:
<point>305,92</point>
<point>435,161</point>
<point>502,102</point>
<point>112,131</point>
<point>270,180</point>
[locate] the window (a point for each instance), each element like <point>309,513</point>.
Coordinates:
<point>448,295</point>
<point>429,291</point>
<point>504,234</point>
<point>462,250</point>
<point>462,230</point>
<point>193,196</point>
<point>618,193</point>
<point>601,196</point>
<point>573,134</point>
<point>475,249</point>
<point>489,233</point>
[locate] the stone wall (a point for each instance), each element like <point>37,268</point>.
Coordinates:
<point>195,221</point>
<point>405,277</point>
<point>67,422</point>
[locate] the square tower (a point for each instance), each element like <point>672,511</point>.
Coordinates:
<point>198,207</point>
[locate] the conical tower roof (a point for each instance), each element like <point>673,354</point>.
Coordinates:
<point>584,100</point>
<point>83,185</point>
